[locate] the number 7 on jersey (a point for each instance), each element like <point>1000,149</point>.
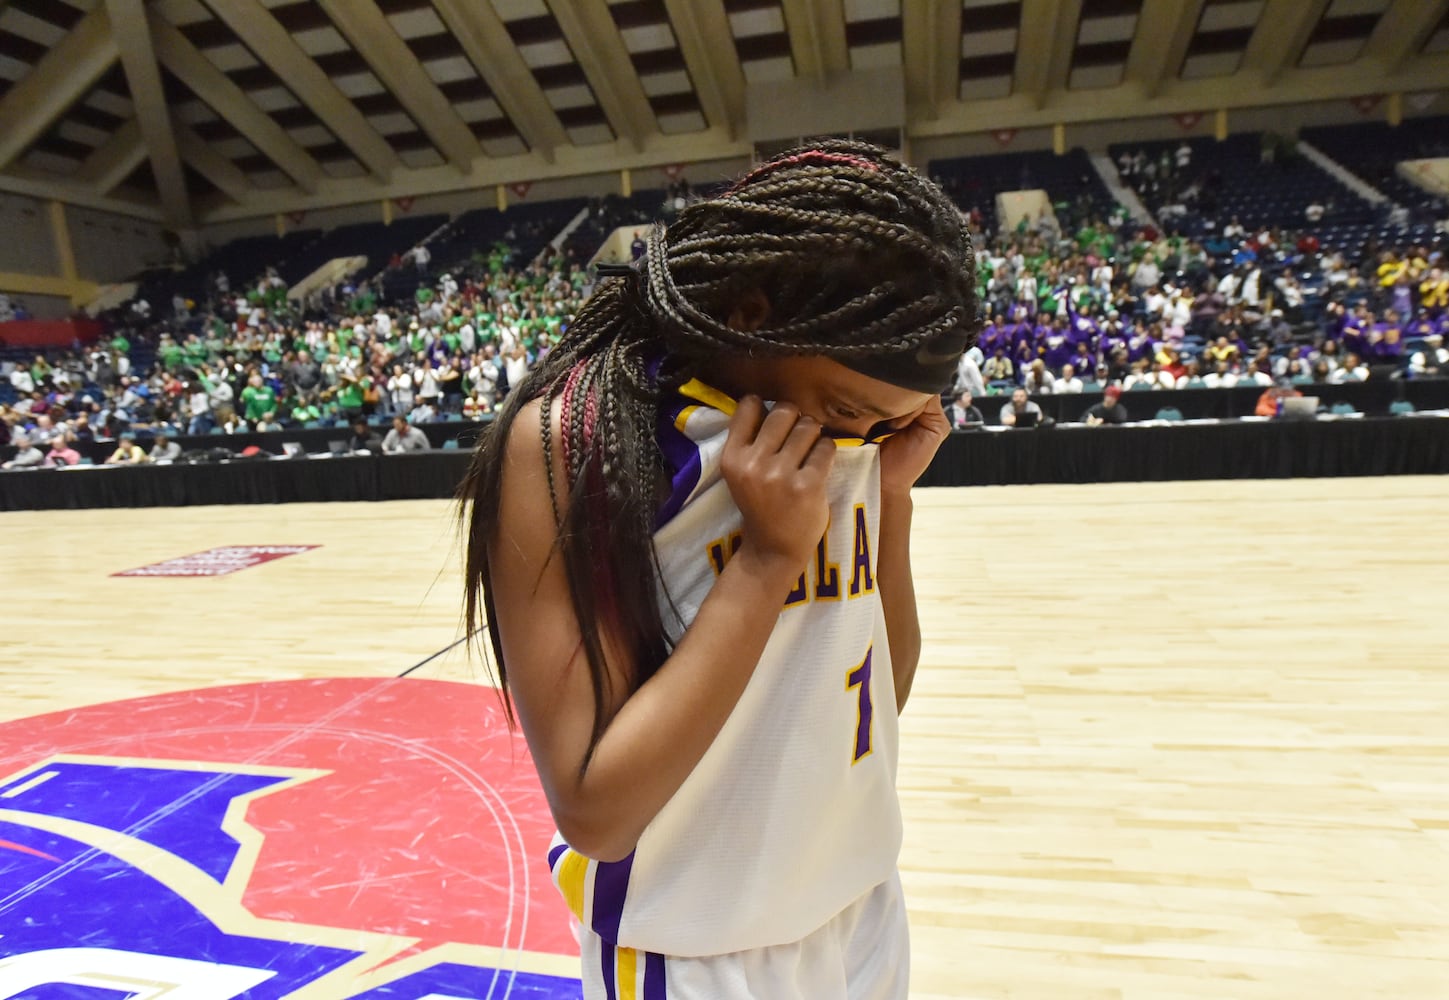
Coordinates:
<point>859,676</point>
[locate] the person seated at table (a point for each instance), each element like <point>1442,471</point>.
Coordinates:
<point>61,453</point>
<point>1271,399</point>
<point>1110,410</point>
<point>404,437</point>
<point>269,423</point>
<point>127,452</point>
<point>27,456</point>
<point>362,437</point>
<point>1020,404</point>
<point>962,415</point>
<point>165,450</point>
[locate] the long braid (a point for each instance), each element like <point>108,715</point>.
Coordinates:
<point>858,256</point>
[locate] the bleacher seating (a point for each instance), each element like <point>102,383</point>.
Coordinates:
<point>242,260</point>
<point>526,228</point>
<point>1373,150</point>
<point>1236,182</point>
<point>975,180</point>
<point>609,214</point>
<point>373,240</point>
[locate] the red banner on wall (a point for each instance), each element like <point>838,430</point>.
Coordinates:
<point>296,217</point>
<point>1004,135</point>
<point>521,188</point>
<point>673,170</point>
<point>1187,119</point>
<point>405,203</point>
<point>49,333</point>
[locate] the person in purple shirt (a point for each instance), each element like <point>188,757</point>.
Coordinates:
<point>1139,344</point>
<point>1403,296</point>
<point>991,335</point>
<point>1385,340</point>
<point>1084,359</point>
<point>1352,335</point>
<point>1111,335</point>
<point>1024,354</point>
<point>1057,345</point>
<point>1420,328</point>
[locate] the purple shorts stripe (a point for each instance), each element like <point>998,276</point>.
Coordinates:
<point>611,885</point>
<point>606,960</point>
<point>554,854</point>
<point>654,977</point>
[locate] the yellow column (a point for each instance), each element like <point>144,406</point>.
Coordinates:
<point>60,235</point>
<point>502,198</point>
<point>1059,139</point>
<point>1220,124</point>
<point>626,182</point>
<point>387,211</point>
<point>281,225</point>
<point>1396,109</point>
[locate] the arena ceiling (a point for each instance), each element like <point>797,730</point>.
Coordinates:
<point>195,111</point>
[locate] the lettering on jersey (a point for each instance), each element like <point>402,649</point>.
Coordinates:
<point>827,573</point>
<point>721,549</point>
<point>799,594</point>
<point>859,676</point>
<point>824,574</point>
<point>862,580</point>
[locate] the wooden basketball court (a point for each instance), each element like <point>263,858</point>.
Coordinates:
<point>1167,740</point>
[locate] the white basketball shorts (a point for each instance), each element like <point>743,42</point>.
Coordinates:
<point>863,953</point>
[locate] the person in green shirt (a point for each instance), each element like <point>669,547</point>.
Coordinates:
<point>258,399</point>
<point>195,351</point>
<point>350,390</point>
<point>120,344</point>
<point>170,353</point>
<point>305,413</point>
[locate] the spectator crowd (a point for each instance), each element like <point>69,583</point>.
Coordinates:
<point>256,361</point>
<point>1072,303</point>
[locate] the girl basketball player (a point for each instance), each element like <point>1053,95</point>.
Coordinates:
<point>690,538</point>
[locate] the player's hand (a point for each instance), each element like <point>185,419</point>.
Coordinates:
<point>905,455</point>
<point>775,465</point>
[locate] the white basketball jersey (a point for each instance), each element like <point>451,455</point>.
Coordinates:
<point>792,813</point>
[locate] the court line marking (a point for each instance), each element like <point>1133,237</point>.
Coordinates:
<point>34,782</point>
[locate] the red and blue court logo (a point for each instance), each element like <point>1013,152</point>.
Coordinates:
<point>378,839</point>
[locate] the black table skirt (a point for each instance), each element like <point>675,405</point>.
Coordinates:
<point>1366,447</point>
<point>1372,398</point>
<point>1067,454</point>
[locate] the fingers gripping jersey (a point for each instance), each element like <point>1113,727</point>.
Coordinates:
<point>791,814</point>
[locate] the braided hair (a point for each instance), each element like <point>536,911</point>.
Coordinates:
<point>861,259</point>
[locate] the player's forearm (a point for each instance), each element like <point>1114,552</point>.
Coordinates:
<point>898,591</point>
<point>663,730</point>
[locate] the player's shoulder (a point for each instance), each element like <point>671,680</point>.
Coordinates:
<point>526,473</point>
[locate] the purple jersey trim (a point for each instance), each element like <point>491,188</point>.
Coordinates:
<point>611,885</point>
<point>682,456</point>
<point>554,854</point>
